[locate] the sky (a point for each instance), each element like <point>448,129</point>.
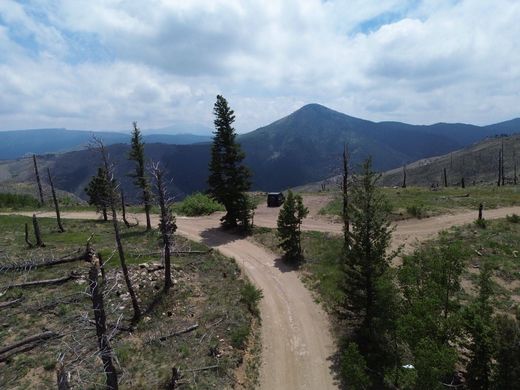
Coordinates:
<point>101,64</point>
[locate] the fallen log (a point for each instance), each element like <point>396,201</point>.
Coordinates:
<point>36,338</point>
<point>45,282</point>
<point>3,305</point>
<point>202,368</point>
<point>46,263</point>
<point>178,333</point>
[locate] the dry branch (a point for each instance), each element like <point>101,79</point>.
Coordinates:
<point>3,305</point>
<point>203,368</point>
<point>45,281</point>
<point>29,265</point>
<point>37,338</point>
<point>178,333</point>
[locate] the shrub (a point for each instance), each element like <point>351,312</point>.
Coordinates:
<point>197,204</point>
<point>17,201</point>
<point>239,336</point>
<point>481,223</point>
<point>514,218</point>
<point>416,211</point>
<point>251,295</point>
<point>353,368</point>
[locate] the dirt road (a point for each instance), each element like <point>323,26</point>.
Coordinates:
<point>296,341</point>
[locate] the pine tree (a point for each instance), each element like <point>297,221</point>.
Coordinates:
<point>167,224</point>
<point>431,320</point>
<point>289,223</point>
<point>98,192</point>
<point>140,179</point>
<point>479,323</point>
<point>369,290</point>
<point>229,179</point>
<point>507,354</point>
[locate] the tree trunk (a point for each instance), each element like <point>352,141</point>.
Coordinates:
<point>61,377</point>
<point>445,178</point>
<point>404,176</point>
<point>499,181</point>
<point>480,208</point>
<point>462,183</point>
<point>123,209</point>
<point>29,243</point>
<point>147,208</point>
<point>346,219</point>
<point>502,172</point>
<point>112,203</point>
<point>105,216</point>
<point>175,377</point>
<point>515,177</point>
<point>40,190</point>
<point>56,205</point>
<point>122,259</point>
<point>37,233</point>
<point>105,351</point>
<point>165,225</point>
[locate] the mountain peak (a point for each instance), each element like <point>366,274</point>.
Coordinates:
<point>313,107</point>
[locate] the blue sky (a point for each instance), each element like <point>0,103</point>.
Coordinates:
<point>102,64</point>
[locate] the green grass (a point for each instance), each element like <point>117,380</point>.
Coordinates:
<point>208,291</point>
<point>17,201</point>
<point>420,202</point>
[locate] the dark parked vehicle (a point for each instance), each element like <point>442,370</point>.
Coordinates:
<point>275,199</point>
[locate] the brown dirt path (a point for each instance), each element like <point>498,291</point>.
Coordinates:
<point>296,342</point>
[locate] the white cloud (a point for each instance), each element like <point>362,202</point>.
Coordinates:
<point>102,64</point>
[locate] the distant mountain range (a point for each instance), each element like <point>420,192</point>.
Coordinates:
<point>304,147</point>
<point>19,143</point>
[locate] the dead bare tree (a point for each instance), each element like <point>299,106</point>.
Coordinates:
<point>463,171</point>
<point>500,157</point>
<point>515,176</point>
<point>112,201</point>
<point>123,209</point>
<point>167,222</point>
<point>344,188</point>
<point>37,233</point>
<point>96,294</point>
<point>56,204</point>
<point>38,181</point>
<point>502,164</point>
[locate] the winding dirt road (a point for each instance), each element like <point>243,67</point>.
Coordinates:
<point>296,341</point>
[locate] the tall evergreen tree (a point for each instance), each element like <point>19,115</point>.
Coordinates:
<point>98,192</point>
<point>140,179</point>
<point>479,323</point>
<point>289,226</point>
<point>369,290</point>
<point>507,354</point>
<point>167,224</point>
<point>229,179</point>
